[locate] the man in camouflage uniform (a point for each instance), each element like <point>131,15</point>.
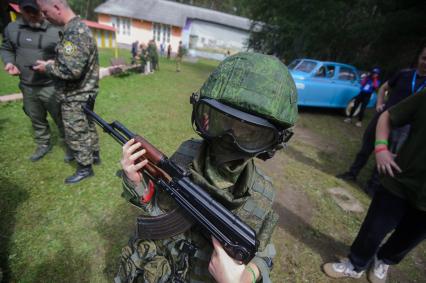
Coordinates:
<point>28,39</point>
<point>244,110</point>
<point>179,56</point>
<point>76,71</point>
<point>153,55</point>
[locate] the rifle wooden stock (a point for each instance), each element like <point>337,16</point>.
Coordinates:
<point>155,157</point>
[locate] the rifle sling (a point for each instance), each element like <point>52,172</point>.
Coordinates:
<point>163,226</point>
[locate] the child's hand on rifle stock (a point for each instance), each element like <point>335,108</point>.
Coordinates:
<point>131,161</point>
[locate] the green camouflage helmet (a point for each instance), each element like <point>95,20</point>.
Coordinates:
<point>255,83</point>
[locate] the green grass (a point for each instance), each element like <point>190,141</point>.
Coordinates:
<point>50,232</point>
<point>105,55</point>
<point>8,83</point>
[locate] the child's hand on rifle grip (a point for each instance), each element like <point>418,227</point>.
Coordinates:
<point>227,270</point>
<point>132,161</point>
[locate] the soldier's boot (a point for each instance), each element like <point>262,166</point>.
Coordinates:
<point>69,155</point>
<point>96,158</point>
<point>41,150</point>
<point>83,172</point>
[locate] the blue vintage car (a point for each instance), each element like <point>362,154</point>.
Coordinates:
<point>326,84</point>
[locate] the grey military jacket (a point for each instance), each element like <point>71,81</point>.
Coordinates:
<point>23,45</point>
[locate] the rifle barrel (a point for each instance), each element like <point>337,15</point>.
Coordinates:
<point>105,126</point>
<point>120,127</point>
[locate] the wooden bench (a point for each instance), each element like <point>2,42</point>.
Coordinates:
<point>118,66</point>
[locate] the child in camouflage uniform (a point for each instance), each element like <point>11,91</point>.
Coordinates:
<point>244,110</point>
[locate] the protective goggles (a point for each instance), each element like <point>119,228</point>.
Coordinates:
<point>250,133</point>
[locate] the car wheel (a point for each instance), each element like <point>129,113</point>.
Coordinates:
<point>349,107</point>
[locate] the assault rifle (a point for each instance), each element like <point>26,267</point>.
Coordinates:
<point>195,205</point>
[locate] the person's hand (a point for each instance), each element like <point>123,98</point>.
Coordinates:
<point>386,164</point>
<point>225,269</point>
<point>12,69</point>
<point>131,153</point>
<point>40,65</point>
<point>380,108</point>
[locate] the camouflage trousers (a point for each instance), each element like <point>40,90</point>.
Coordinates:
<point>80,132</point>
<point>178,63</point>
<point>38,101</point>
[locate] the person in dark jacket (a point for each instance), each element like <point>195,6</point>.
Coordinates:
<point>25,41</point>
<point>153,55</point>
<point>402,85</point>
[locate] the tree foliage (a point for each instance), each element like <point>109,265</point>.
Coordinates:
<point>362,32</point>
<point>85,8</point>
<point>365,33</point>
<point>236,7</point>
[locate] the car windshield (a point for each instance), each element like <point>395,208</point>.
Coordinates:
<point>305,66</point>
<point>294,64</point>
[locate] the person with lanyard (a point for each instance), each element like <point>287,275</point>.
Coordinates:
<point>402,85</point>
<point>399,208</point>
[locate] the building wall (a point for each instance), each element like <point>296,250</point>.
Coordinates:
<point>102,18</point>
<point>215,37</point>
<point>175,38</point>
<point>140,30</point>
<point>103,38</point>
<point>13,16</point>
<point>122,25</point>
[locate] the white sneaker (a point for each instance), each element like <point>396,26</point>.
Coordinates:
<point>341,269</point>
<point>348,120</point>
<point>358,124</point>
<point>378,272</point>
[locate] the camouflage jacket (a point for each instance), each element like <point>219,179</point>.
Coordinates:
<point>76,65</point>
<point>254,207</point>
<point>181,51</point>
<point>152,51</point>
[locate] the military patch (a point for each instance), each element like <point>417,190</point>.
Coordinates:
<point>69,48</point>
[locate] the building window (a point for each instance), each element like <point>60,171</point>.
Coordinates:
<point>158,33</point>
<point>168,33</point>
<point>161,32</point>
<point>122,25</point>
<point>99,38</point>
<point>125,22</point>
